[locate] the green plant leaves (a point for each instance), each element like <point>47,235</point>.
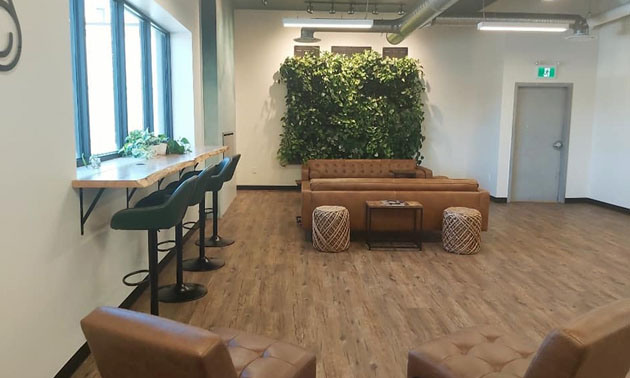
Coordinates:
<point>138,143</point>
<point>362,106</point>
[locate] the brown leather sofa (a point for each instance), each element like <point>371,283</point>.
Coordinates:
<point>128,344</point>
<point>595,345</point>
<point>350,183</point>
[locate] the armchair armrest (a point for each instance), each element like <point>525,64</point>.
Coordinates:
<point>423,172</point>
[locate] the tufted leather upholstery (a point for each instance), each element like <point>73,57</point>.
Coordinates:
<point>349,183</point>
<point>472,353</point>
<point>258,356</point>
<point>595,345</point>
<point>374,168</point>
<point>128,344</point>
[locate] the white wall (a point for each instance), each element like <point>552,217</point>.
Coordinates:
<point>610,165</point>
<point>51,276</point>
<point>470,77</point>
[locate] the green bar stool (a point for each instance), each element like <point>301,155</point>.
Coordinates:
<point>215,241</point>
<point>159,216</point>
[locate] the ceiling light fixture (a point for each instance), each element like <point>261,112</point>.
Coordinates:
<point>332,8</point>
<point>375,10</point>
<point>401,11</point>
<point>265,2</point>
<point>522,27</point>
<point>326,23</point>
<point>351,9</point>
<point>309,8</point>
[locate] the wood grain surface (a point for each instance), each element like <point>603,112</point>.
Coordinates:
<point>360,311</point>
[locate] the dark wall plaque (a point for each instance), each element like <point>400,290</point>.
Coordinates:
<point>349,50</point>
<point>395,52</point>
<point>301,50</point>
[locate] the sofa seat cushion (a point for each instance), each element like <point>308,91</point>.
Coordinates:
<point>478,352</point>
<point>256,356</point>
<point>394,184</point>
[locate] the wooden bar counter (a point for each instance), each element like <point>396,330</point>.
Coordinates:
<point>130,172</point>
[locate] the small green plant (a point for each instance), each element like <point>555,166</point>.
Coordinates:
<point>179,146</point>
<point>139,144</point>
<point>362,106</point>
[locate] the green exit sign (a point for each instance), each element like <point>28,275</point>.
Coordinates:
<point>546,72</point>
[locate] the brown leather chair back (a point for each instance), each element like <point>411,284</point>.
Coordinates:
<point>127,344</point>
<point>596,344</point>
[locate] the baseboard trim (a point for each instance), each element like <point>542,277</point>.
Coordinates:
<point>268,187</point>
<point>595,202</point>
<point>498,199</point>
<point>79,357</point>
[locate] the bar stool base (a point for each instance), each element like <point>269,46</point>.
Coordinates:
<point>203,264</point>
<point>217,242</point>
<point>181,293</point>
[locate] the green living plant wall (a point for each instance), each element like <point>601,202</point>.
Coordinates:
<point>362,106</point>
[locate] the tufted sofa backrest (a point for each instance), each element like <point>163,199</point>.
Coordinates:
<point>356,168</point>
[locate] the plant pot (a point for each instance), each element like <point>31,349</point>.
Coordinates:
<point>159,149</point>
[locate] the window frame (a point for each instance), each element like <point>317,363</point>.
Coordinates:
<point>80,69</point>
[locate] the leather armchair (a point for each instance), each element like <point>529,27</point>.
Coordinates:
<point>128,344</point>
<point>595,345</point>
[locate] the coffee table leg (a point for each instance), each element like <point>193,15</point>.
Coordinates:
<point>368,226</point>
<point>420,234</point>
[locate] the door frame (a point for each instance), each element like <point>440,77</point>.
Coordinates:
<point>566,133</point>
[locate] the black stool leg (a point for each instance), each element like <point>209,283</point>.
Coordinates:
<point>153,273</point>
<point>180,291</point>
<point>215,241</point>
<point>202,263</point>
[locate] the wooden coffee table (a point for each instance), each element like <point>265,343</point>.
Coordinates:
<point>385,205</point>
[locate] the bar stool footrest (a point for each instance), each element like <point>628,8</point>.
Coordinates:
<point>190,225</point>
<point>127,276</point>
<point>164,249</point>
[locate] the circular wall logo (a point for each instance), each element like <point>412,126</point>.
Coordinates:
<point>10,36</point>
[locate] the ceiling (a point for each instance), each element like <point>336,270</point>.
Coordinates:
<point>583,7</point>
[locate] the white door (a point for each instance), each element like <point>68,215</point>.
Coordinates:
<point>540,143</point>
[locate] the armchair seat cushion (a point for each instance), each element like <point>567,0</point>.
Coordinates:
<point>256,356</point>
<point>394,184</point>
<point>479,352</point>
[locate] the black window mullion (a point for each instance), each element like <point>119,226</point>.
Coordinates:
<point>168,95</point>
<point>79,77</point>
<point>147,77</point>
<point>120,77</point>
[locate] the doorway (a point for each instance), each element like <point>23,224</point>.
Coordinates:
<point>540,142</point>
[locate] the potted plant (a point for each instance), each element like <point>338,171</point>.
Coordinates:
<point>143,144</point>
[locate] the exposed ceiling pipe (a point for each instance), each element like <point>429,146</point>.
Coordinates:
<point>609,16</point>
<point>576,22</point>
<point>398,29</point>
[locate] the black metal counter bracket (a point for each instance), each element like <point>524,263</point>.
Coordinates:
<point>130,195</point>
<point>84,217</point>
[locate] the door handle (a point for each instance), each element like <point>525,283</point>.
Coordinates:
<point>558,145</point>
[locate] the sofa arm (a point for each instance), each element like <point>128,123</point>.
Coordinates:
<point>307,205</point>
<point>484,208</point>
<point>423,172</point>
<point>305,172</point>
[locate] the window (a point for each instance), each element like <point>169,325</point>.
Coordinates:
<point>121,75</point>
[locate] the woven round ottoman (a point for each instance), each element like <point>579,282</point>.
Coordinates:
<point>461,230</point>
<point>331,228</point>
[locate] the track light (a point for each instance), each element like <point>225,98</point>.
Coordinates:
<point>309,8</point>
<point>401,11</point>
<point>265,2</point>
<point>375,10</point>
<point>351,9</point>
<point>332,8</point>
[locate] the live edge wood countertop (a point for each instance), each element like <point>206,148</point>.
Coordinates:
<point>130,172</point>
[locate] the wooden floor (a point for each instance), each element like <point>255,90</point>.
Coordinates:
<point>540,265</point>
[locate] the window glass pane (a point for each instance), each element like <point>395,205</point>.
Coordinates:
<point>133,65</point>
<point>158,41</point>
<point>100,76</point>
